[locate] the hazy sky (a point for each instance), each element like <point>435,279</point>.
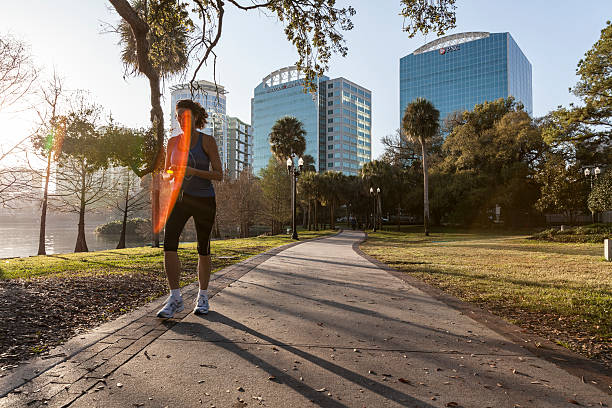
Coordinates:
<point>67,35</point>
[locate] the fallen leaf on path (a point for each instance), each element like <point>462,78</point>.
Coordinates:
<point>403,380</point>
<point>321,390</point>
<point>452,404</point>
<point>372,372</point>
<point>119,385</point>
<point>573,401</point>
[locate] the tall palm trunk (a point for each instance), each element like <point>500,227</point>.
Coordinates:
<point>316,219</point>
<point>425,189</point>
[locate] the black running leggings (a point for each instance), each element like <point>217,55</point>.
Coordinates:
<point>202,209</point>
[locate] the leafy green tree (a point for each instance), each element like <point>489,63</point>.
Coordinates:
<point>126,151</point>
<point>588,128</point>
<point>421,123</point>
<point>563,187</point>
<point>81,178</point>
<point>600,198</point>
<point>493,154</point>
<point>428,15</point>
<point>275,186</point>
<point>287,138</point>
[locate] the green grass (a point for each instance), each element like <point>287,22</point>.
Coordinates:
<point>139,260</point>
<point>565,285</point>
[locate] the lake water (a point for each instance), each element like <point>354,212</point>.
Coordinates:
<point>19,237</point>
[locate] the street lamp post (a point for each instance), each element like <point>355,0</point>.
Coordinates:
<point>378,209</point>
<point>590,173</point>
<point>374,221</point>
<point>294,173</point>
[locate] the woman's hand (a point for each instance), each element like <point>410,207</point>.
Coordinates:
<point>190,171</point>
<point>167,176</point>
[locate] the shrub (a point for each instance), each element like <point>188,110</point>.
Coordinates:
<point>593,233</point>
<point>134,227</point>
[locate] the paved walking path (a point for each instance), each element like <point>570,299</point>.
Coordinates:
<point>313,325</point>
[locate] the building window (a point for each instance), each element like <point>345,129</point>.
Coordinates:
<point>330,103</point>
<point>331,120</point>
<point>330,94</point>
<point>330,138</point>
<point>330,112</point>
<point>330,86</point>
<point>330,156</point>
<point>329,147</point>
<point>330,164</point>
<point>330,129</point>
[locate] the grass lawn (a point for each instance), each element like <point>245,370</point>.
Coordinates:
<point>141,259</point>
<point>561,291</point>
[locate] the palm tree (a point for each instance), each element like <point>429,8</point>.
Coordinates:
<point>421,123</point>
<point>331,194</point>
<point>287,138</point>
<point>168,37</point>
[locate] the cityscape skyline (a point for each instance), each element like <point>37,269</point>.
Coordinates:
<point>553,50</point>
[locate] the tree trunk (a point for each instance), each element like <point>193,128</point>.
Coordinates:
<point>399,213</point>
<point>316,219</point>
<point>126,203</point>
<point>309,215</point>
<point>42,250</point>
<point>332,221</point>
<point>155,209</point>
<point>425,189</point>
<point>81,243</point>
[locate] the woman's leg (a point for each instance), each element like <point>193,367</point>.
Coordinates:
<point>172,265</point>
<point>204,268</point>
<point>174,226</point>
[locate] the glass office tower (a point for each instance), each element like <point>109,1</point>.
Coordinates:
<point>337,119</point>
<point>459,71</point>
<point>210,96</point>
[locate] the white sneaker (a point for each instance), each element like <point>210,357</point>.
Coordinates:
<point>173,305</point>
<point>201,306</point>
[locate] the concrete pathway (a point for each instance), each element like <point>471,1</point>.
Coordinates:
<point>313,325</point>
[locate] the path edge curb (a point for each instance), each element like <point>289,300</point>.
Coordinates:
<point>569,361</point>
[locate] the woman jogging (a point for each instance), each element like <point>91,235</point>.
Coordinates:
<point>190,154</point>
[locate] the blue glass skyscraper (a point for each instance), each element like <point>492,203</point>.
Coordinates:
<point>337,119</point>
<point>459,71</point>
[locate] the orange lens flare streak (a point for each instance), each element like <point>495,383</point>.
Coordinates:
<point>170,190</point>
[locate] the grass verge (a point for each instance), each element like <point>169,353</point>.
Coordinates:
<point>141,259</point>
<point>560,291</point>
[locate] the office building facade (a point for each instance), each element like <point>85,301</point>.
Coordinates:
<point>210,96</point>
<point>458,71</point>
<point>336,118</point>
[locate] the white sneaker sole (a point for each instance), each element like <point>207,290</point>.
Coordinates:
<point>196,311</point>
<point>162,315</point>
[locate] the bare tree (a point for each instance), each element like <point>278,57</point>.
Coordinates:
<point>48,142</point>
<point>128,198</point>
<point>17,72</point>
